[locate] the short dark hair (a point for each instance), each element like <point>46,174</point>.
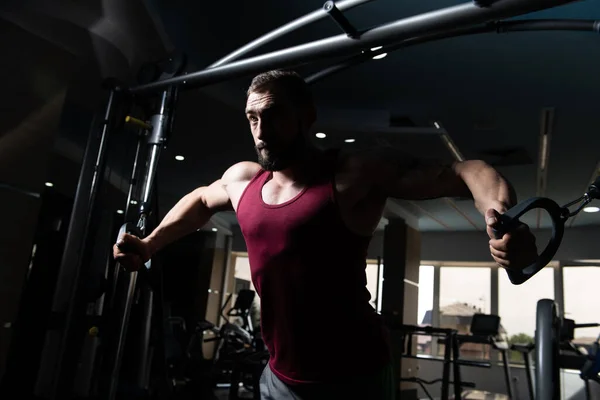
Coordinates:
<point>291,82</point>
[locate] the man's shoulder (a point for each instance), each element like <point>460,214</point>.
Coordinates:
<point>356,160</point>
<point>243,171</point>
<point>372,159</point>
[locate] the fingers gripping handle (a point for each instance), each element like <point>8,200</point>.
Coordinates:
<point>509,221</point>
<point>131,229</point>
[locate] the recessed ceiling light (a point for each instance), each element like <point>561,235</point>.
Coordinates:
<point>119,211</point>
<point>321,135</point>
<point>376,48</point>
<point>350,140</point>
<point>179,158</point>
<point>591,209</point>
<point>436,125</point>
<point>49,184</point>
<point>133,202</point>
<point>214,229</point>
<point>379,56</point>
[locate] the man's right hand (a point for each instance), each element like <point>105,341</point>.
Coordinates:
<point>131,252</point>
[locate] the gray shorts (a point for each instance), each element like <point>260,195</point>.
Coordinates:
<point>379,386</point>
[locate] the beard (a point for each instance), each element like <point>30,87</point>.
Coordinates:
<point>280,159</point>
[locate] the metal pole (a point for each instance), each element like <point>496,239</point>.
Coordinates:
<point>443,20</point>
<point>68,287</point>
<point>115,371</point>
<point>156,141</point>
<point>285,29</point>
<point>547,369</point>
<point>134,171</point>
<point>497,27</point>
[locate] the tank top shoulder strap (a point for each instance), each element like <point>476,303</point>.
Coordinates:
<point>257,180</point>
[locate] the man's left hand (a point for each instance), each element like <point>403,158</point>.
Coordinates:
<point>515,250</point>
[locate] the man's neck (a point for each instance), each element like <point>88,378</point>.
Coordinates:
<point>301,171</point>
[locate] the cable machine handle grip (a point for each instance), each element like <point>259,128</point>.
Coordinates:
<point>509,221</point>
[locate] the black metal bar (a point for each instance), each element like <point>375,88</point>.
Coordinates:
<point>494,27</point>
<point>16,189</point>
<point>507,374</point>
<point>527,359</point>
<point>590,325</point>
<point>285,29</point>
<point>134,172</point>
<point>443,20</point>
<point>446,369</point>
<point>68,288</point>
<point>547,369</point>
<point>122,331</point>
<point>548,25</point>
<point>473,363</point>
<point>156,141</point>
<point>144,363</point>
<point>456,372</point>
<point>340,19</point>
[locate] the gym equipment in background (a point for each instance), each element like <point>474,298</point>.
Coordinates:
<point>63,343</point>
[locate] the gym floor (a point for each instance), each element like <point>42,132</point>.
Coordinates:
<point>223,394</point>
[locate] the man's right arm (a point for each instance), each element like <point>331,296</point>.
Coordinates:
<point>190,213</point>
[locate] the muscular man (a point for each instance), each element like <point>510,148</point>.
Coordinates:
<point>307,217</point>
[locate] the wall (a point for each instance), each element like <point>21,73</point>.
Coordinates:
<point>31,104</point>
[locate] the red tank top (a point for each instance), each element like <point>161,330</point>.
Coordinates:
<point>309,271</point>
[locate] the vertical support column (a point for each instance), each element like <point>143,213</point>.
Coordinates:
<point>63,339</point>
<point>217,286</point>
<point>494,292</point>
<point>559,294</point>
<point>435,312</point>
<point>402,258</point>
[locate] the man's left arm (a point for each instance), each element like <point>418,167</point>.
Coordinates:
<point>397,176</point>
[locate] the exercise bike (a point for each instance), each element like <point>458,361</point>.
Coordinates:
<point>238,359</point>
<point>240,355</point>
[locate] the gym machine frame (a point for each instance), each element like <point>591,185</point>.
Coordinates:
<point>480,16</point>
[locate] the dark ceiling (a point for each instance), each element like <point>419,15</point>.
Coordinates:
<point>487,92</point>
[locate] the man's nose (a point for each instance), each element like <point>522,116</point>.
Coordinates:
<point>263,130</point>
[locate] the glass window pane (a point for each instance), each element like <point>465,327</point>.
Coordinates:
<point>242,270</point>
<point>465,291</point>
<point>372,272</point>
<point>517,305</point>
<point>581,300</point>
<point>425,294</point>
<point>425,307</point>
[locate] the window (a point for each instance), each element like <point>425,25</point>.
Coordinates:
<point>373,282</point>
<point>581,301</point>
<point>517,306</point>
<point>465,291</point>
<point>425,307</point>
<point>242,270</point>
<point>425,302</point>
